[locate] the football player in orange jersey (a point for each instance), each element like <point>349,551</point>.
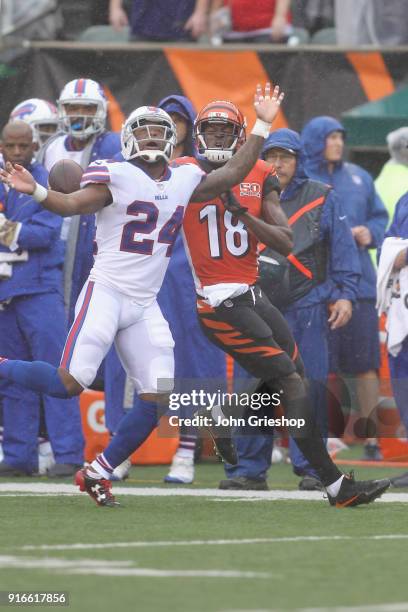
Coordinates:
<point>222,236</point>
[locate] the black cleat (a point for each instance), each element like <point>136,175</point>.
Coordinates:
<point>221,437</point>
<point>98,488</point>
<point>241,483</point>
<point>310,483</point>
<point>356,492</point>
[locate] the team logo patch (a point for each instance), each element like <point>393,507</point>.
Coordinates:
<point>250,189</point>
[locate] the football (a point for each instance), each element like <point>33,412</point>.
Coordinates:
<point>65,176</point>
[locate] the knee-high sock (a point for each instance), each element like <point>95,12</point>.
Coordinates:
<point>132,431</point>
<point>308,438</point>
<point>35,375</point>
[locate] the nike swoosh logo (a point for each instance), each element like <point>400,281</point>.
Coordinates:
<point>342,218</point>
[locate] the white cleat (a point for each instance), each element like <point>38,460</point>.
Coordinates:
<point>181,471</point>
<point>121,472</point>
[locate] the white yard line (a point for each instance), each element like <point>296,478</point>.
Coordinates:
<point>119,568</point>
<point>156,573</point>
<point>68,489</point>
<point>244,541</point>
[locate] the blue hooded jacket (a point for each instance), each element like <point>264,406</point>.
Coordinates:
<point>39,235</point>
<point>182,106</point>
<point>343,272</point>
<point>355,189</point>
<point>399,224</point>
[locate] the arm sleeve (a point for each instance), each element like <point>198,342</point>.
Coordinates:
<point>344,264</point>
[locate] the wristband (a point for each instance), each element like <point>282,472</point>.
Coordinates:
<point>261,128</point>
<point>40,193</point>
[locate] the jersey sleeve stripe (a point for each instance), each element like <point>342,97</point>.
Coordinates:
<point>91,174</point>
<point>97,169</point>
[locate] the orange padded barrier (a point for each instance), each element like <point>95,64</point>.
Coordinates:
<point>159,448</point>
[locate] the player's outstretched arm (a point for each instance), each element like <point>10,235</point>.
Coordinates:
<point>237,168</point>
<point>82,202</point>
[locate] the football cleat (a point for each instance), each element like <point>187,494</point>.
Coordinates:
<point>121,472</point>
<point>356,492</point>
<point>221,436</point>
<point>310,483</point>
<point>97,488</point>
<point>241,483</point>
<point>181,470</point>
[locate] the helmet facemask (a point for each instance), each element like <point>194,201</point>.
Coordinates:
<point>219,131</point>
<point>78,125</point>
<point>156,128</point>
<point>43,130</point>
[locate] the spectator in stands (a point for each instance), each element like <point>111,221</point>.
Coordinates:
<point>240,20</point>
<point>30,19</point>
<point>195,357</point>
<point>32,318</point>
<point>161,20</point>
<point>371,22</point>
<point>354,349</point>
<point>399,362</point>
<point>323,268</point>
<point>313,15</point>
<point>392,182</point>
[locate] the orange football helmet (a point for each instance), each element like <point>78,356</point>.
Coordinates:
<point>225,143</point>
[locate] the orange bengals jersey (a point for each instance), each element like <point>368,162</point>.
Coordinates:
<point>219,246</point>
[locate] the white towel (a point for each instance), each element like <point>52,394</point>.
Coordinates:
<point>6,271</point>
<point>386,278</point>
<point>13,257</point>
<point>397,318</point>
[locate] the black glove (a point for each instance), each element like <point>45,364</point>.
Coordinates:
<point>232,204</point>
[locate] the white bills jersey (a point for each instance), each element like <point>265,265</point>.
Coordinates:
<point>58,149</point>
<point>136,232</point>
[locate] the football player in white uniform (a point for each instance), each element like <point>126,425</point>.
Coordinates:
<point>139,206</point>
<point>82,115</point>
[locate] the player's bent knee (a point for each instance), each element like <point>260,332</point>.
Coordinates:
<point>72,386</point>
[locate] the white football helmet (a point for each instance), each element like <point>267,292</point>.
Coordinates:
<point>148,117</point>
<point>41,115</point>
<point>82,91</point>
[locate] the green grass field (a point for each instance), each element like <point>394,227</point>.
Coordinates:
<point>201,552</point>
